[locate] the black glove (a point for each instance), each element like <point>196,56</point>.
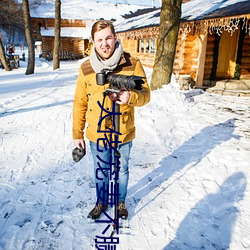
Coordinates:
<point>78,153</point>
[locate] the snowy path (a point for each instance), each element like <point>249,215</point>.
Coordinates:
<point>189,171</point>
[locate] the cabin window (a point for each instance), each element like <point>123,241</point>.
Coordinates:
<point>146,45</point>
<point>152,45</point>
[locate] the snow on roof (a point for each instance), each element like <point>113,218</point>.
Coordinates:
<point>145,20</point>
<point>197,9</point>
<point>79,32</point>
<point>192,10</point>
<point>85,10</point>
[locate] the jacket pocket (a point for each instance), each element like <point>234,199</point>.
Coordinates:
<point>127,120</point>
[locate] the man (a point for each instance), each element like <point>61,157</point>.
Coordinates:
<point>107,54</point>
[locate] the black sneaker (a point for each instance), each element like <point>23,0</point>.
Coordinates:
<point>97,211</point>
<point>123,212</point>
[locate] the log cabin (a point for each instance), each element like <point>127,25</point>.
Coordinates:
<point>74,37</point>
<point>213,41</point>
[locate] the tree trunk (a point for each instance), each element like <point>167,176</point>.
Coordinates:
<point>56,59</point>
<point>168,34</point>
<point>3,57</point>
<point>28,33</point>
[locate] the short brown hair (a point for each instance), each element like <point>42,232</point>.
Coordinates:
<point>101,24</point>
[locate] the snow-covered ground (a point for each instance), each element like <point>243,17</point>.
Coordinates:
<point>189,169</point>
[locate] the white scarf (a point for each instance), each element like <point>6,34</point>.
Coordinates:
<point>98,64</point>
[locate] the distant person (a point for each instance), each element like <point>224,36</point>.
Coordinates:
<point>11,50</point>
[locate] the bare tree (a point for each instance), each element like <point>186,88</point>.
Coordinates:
<point>11,16</point>
<point>28,33</point>
<point>56,59</point>
<point>168,34</point>
<point>11,24</point>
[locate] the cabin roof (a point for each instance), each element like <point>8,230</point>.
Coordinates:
<point>208,9</point>
<point>84,10</point>
<point>193,10</point>
<point>140,21</point>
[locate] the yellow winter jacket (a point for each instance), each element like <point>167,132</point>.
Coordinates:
<point>86,110</point>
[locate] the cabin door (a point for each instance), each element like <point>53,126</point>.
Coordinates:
<point>227,55</point>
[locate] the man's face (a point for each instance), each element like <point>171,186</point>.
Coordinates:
<point>104,42</point>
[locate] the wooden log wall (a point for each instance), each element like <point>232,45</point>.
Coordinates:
<point>186,55</point>
<point>47,45</point>
<point>190,56</point>
<point>79,46</point>
<point>73,45</point>
<point>178,61</point>
<point>66,44</point>
<point>131,46</point>
<point>146,59</point>
<point>185,59</point>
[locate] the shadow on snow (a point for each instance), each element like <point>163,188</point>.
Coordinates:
<point>210,223</point>
<point>190,153</point>
<point>23,110</point>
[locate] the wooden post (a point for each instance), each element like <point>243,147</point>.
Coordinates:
<point>201,60</point>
